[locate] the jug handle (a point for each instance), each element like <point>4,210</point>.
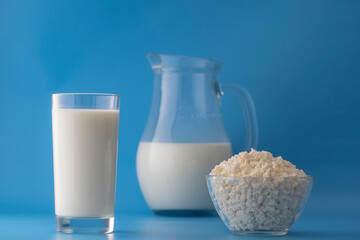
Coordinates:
<point>249,112</point>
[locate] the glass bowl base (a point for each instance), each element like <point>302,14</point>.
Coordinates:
<point>260,233</point>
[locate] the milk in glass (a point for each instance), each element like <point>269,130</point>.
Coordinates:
<point>85,153</point>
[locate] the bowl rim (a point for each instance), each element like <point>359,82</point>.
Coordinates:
<point>289,177</point>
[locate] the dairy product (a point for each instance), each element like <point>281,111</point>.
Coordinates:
<point>256,192</point>
<point>172,175</point>
<point>257,164</point>
<point>85,153</point>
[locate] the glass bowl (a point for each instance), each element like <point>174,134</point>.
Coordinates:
<point>267,206</point>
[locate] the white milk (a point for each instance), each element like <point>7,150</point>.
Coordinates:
<point>85,153</point>
<point>172,175</point>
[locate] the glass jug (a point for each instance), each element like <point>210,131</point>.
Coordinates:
<point>185,136</point>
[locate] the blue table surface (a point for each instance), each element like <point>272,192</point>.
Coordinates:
<point>147,226</point>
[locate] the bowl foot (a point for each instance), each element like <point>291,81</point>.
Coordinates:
<point>260,233</point>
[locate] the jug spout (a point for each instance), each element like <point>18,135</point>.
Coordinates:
<point>166,62</point>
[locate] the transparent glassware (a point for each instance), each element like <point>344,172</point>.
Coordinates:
<point>259,206</point>
<point>185,137</point>
<point>85,144</point>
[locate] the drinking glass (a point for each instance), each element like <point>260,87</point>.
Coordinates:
<point>85,142</point>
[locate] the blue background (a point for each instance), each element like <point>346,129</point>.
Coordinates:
<point>299,59</point>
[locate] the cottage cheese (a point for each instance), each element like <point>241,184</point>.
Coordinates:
<point>254,191</point>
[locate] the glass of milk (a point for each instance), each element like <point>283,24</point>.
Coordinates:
<point>85,143</point>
